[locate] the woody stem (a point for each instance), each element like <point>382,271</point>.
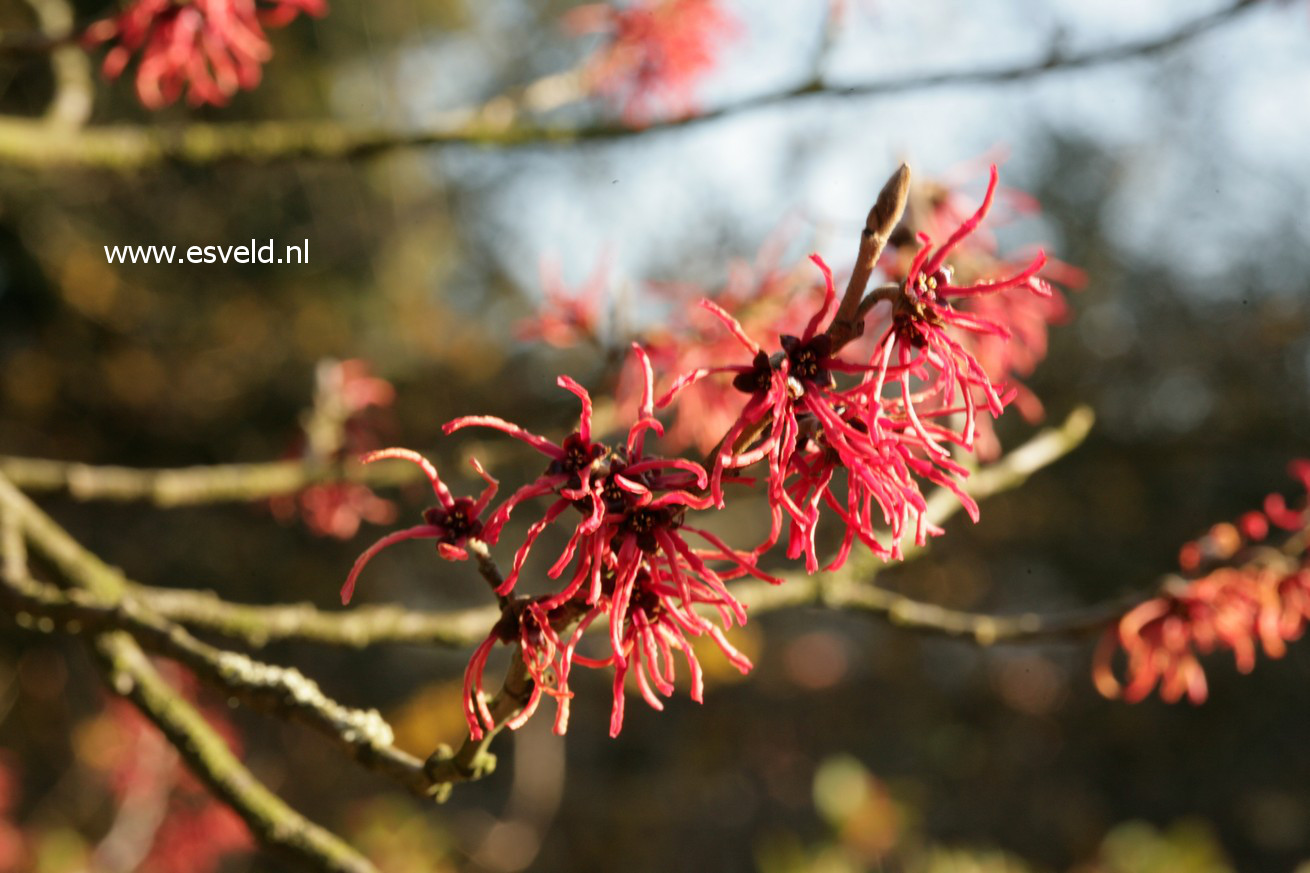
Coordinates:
<point>886,213</point>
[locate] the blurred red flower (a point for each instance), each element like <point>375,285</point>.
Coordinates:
<point>1244,594</point>
<point>208,48</point>
<point>656,51</point>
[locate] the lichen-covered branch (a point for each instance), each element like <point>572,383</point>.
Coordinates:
<point>130,674</point>
<point>114,608</point>
<point>106,601</point>
<point>276,825</point>
<point>373,625</point>
<point>357,628</point>
<point>130,147</point>
<point>187,486</point>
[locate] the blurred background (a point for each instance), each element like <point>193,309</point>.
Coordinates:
<point>1177,181</point>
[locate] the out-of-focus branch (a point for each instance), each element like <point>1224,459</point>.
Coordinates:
<point>285,692</point>
<point>275,824</point>
<point>105,601</point>
<point>357,629</point>
<point>366,626</point>
<point>187,486</point>
<point>985,630</point>
<point>129,147</point>
<point>125,615</point>
<point>70,106</point>
<point>130,674</point>
<point>1015,468</point>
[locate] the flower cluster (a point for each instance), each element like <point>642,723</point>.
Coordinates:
<point>1026,310</point>
<point>850,431</point>
<point>1243,591</point>
<point>765,298</point>
<point>208,48</point>
<point>655,51</point>
<point>337,427</point>
<point>920,393</point>
<point>630,559</point>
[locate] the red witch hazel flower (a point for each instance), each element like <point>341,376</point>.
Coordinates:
<point>812,428</point>
<point>793,395</point>
<point>1244,592</point>
<point>452,522</point>
<point>566,319</point>
<point>1027,310</point>
<point>630,559</point>
<point>924,339</point>
<point>764,298</point>
<point>208,48</point>
<point>890,419</point>
<point>657,51</point>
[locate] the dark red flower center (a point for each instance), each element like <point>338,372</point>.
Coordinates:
<point>457,523</point>
<point>643,523</point>
<point>758,379</point>
<point>578,454</point>
<point>644,599</point>
<point>808,361</point>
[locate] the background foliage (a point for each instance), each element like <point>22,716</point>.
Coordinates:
<point>1177,182</point>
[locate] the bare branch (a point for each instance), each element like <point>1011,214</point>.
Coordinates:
<point>130,674</point>
<point>985,630</point>
<point>124,615</point>
<point>487,568</point>
<point>189,486</point>
<point>106,601</point>
<point>276,825</point>
<point>366,626</point>
<point>357,628</point>
<point>124,148</point>
<point>474,759</point>
<point>883,218</point>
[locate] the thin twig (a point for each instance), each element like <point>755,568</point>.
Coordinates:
<point>106,601</point>
<point>366,626</point>
<point>474,759</point>
<point>487,569</point>
<point>276,825</point>
<point>847,323</point>
<point>129,147</point>
<point>130,674</point>
<point>358,628</point>
<point>188,486</point>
